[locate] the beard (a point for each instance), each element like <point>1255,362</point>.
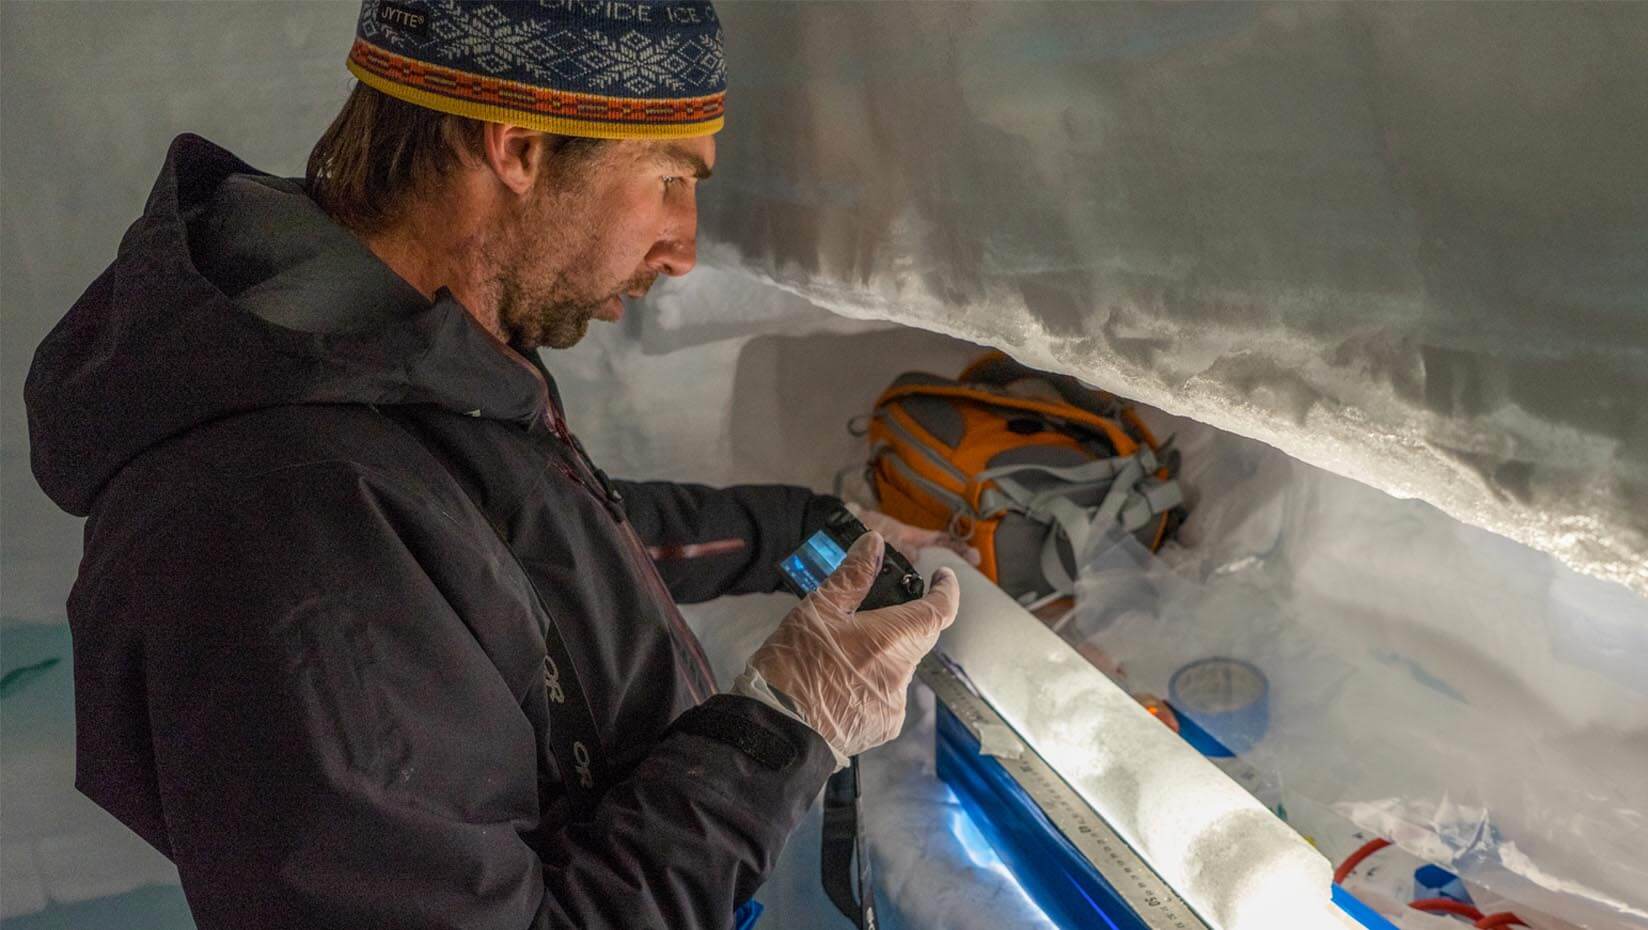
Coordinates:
<point>532,318</point>
<point>555,316</point>
<point>547,284</point>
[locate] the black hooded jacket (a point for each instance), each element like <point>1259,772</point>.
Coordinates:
<point>332,526</point>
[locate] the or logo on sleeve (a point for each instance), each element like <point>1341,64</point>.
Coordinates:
<point>581,761</point>
<point>552,681</point>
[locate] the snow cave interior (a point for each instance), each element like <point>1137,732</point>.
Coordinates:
<point>1380,270</point>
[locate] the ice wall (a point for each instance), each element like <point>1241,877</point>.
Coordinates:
<point>1404,242</point>
<point>90,95</point>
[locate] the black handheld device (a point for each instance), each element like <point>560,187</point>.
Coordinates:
<point>843,856</point>
<point>825,550</point>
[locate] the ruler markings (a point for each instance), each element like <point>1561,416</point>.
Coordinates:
<point>1131,877</point>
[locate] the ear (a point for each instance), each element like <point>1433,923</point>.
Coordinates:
<point>515,154</point>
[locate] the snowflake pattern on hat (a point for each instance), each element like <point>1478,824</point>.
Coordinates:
<point>613,69</point>
<point>640,65</point>
<point>659,49</point>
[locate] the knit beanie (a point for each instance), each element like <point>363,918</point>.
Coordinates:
<point>609,69</point>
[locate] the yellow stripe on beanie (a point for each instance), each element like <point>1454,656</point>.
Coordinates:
<point>611,69</point>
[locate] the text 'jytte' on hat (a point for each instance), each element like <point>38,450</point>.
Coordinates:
<point>598,68</point>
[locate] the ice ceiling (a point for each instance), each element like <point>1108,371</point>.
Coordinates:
<point>1407,243</point>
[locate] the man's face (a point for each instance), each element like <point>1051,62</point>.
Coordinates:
<point>597,228</point>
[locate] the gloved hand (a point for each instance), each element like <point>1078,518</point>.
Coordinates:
<point>909,540</point>
<point>847,672</point>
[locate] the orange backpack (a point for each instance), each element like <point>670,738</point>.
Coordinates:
<point>1023,464</point>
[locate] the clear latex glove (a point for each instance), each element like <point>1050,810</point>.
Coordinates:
<point>909,540</point>
<point>847,671</point>
<point>750,684</point>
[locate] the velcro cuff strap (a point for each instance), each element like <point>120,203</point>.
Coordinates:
<point>715,720</point>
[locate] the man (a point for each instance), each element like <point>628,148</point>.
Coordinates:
<point>362,636</point>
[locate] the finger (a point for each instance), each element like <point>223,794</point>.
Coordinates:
<point>848,584</point>
<point>912,629</point>
<point>944,599</point>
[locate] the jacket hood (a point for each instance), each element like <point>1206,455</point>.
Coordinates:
<point>234,292</point>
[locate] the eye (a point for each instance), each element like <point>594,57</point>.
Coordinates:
<point>672,181</point>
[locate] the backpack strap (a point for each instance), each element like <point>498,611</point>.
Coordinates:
<point>1098,470</point>
<point>1071,518</point>
<point>1133,499</point>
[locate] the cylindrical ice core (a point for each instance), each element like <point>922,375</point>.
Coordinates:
<point>1233,861</point>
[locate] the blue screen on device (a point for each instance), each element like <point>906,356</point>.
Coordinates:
<point>814,561</point>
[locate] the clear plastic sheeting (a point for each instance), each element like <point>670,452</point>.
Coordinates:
<point>1465,696</point>
<point>1402,242</point>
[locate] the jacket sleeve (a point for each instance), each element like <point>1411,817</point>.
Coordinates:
<point>708,542</point>
<point>334,747</point>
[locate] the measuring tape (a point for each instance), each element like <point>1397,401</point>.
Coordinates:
<point>1130,879</point>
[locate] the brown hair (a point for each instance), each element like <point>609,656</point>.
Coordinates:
<point>381,153</point>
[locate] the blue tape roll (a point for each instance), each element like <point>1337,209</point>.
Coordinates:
<point>1223,705</point>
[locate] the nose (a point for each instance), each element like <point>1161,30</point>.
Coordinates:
<point>674,255</point>
<point>676,251</point>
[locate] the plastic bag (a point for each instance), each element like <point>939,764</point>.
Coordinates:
<point>1463,695</point>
